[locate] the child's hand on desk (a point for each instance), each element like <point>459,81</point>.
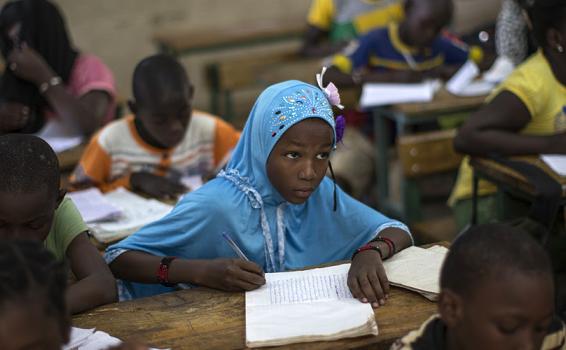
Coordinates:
<point>232,275</point>
<point>367,279</point>
<point>156,186</point>
<point>13,116</point>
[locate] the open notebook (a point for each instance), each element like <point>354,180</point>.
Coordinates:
<point>417,269</point>
<point>136,212</point>
<point>305,306</point>
<point>556,162</point>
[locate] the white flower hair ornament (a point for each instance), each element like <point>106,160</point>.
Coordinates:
<point>331,92</point>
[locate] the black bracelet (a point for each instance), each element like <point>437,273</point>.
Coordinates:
<point>367,247</point>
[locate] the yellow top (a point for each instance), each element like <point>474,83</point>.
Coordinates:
<point>346,20</point>
<point>545,97</point>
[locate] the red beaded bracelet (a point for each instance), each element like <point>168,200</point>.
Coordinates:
<point>367,247</point>
<point>163,271</point>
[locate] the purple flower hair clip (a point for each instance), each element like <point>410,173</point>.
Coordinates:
<point>331,92</point>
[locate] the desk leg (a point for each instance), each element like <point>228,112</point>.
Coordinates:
<point>382,136</point>
<point>475,187</point>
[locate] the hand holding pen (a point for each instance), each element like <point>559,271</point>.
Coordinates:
<point>234,274</point>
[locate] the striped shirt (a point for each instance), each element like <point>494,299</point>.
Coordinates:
<point>118,150</point>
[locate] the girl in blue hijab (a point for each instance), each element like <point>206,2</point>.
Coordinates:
<point>276,203</point>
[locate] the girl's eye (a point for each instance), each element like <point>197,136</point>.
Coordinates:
<point>507,329</point>
<point>292,155</point>
<point>323,156</point>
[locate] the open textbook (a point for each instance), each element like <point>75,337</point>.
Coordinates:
<point>90,339</point>
<point>306,306</point>
<point>316,305</point>
<point>417,269</point>
<point>136,212</point>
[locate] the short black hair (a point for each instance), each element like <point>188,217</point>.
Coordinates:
<point>27,164</point>
<point>28,271</point>
<point>158,77</point>
<point>485,251</point>
<point>544,15</point>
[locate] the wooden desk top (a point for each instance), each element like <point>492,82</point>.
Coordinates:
<point>242,34</point>
<point>208,319</point>
<point>444,102</point>
<point>512,178</point>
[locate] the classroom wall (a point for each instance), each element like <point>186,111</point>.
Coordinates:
<point>120,31</point>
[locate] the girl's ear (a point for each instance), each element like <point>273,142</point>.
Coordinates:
<point>450,307</point>
<point>555,40</point>
<point>132,106</point>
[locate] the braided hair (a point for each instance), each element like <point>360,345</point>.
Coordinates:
<point>28,271</point>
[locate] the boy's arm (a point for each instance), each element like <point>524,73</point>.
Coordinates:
<point>495,129</point>
<point>95,284</point>
<point>224,274</point>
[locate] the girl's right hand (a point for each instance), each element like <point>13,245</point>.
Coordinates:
<point>233,275</point>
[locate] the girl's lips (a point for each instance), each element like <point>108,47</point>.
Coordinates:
<point>303,192</point>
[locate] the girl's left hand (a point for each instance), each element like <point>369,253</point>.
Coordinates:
<point>28,64</point>
<point>367,279</point>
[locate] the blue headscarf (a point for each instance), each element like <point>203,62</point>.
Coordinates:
<point>241,201</point>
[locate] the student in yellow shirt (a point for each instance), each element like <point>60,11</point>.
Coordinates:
<point>525,115</point>
<point>332,23</point>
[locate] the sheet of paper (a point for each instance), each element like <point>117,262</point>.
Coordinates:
<point>90,339</point>
<point>499,71</point>
<point>136,213</point>
<point>378,94</point>
<point>465,75</point>
<point>59,136</point>
<point>93,206</point>
<point>556,162</point>
<point>416,268</point>
<point>306,306</point>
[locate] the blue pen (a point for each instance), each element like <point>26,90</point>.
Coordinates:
<point>234,246</point>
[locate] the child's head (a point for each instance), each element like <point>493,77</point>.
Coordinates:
<point>163,99</point>
<point>286,142</point>
<point>424,20</point>
<point>548,18</point>
<point>33,312</point>
<point>29,190</point>
<point>497,290</point>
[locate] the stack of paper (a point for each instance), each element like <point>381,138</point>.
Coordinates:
<point>305,306</point>
<point>382,94</point>
<point>417,269</point>
<point>556,162</point>
<point>93,206</point>
<point>136,212</point>
<point>90,339</point>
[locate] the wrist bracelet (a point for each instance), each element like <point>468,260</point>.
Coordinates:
<point>54,81</point>
<point>367,247</point>
<point>163,271</point>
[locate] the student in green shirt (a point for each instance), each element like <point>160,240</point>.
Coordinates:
<point>33,207</point>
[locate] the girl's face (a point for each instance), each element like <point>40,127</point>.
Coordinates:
<point>25,325</point>
<point>298,162</point>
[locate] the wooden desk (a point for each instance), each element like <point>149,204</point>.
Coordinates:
<point>405,115</point>
<point>501,174</point>
<point>249,33</point>
<point>208,319</point>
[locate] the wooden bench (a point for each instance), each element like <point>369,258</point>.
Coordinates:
<point>226,76</point>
